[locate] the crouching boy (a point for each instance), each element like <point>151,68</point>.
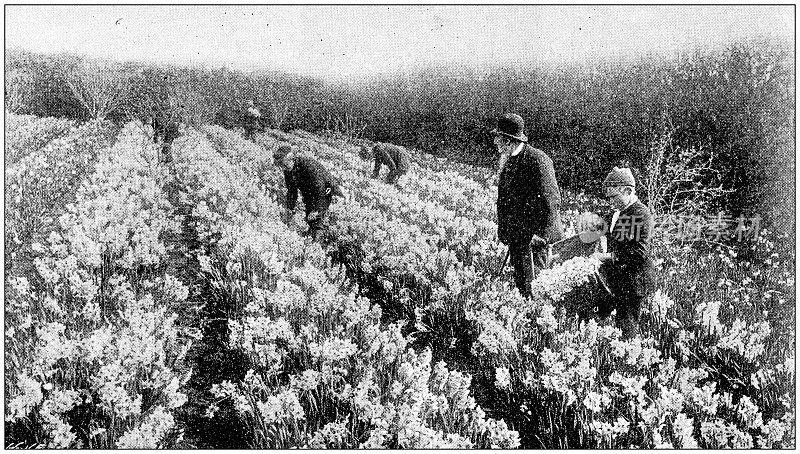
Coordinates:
<point>628,266</point>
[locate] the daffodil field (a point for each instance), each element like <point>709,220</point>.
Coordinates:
<point>168,306</point>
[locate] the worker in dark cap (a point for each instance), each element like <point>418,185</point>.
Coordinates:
<point>309,177</point>
<point>393,157</point>
<point>528,200</point>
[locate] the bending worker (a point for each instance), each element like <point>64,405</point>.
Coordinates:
<point>309,177</point>
<point>392,156</point>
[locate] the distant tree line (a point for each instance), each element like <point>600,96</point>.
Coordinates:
<point>729,112</point>
<point>76,87</point>
<point>728,115</point>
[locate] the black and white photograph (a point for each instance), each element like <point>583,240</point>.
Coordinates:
<point>399,226</point>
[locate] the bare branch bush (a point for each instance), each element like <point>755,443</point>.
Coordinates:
<point>346,126</point>
<point>279,106</point>
<point>19,87</point>
<point>98,85</point>
<point>162,96</point>
<point>192,107</point>
<point>681,182</point>
<point>278,95</point>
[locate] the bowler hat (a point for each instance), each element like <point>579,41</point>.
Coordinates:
<point>619,176</point>
<point>281,152</point>
<point>511,125</point>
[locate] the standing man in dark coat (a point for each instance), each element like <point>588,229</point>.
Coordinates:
<point>628,267</point>
<point>306,175</point>
<point>392,156</point>
<point>528,200</point>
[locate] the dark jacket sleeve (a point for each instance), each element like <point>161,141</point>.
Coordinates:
<point>382,156</point>
<point>404,161</point>
<point>291,190</point>
<point>387,158</point>
<point>377,170</point>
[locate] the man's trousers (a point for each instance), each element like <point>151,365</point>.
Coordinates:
<point>526,262</point>
<point>317,226</point>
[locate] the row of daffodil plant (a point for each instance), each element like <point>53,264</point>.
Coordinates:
<point>728,359</point>
<point>26,134</point>
<point>46,160</point>
<point>324,371</point>
<point>430,348</point>
<point>396,228</point>
<point>93,354</point>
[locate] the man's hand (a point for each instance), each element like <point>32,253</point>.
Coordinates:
<point>550,256</point>
<point>603,257</point>
<point>313,216</point>
<point>537,241</point>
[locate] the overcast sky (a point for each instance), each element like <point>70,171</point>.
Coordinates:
<point>351,41</point>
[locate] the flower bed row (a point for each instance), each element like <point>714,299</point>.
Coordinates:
<point>321,360</point>
<point>386,221</point>
<point>94,357</point>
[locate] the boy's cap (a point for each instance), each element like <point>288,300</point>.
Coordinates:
<point>619,176</point>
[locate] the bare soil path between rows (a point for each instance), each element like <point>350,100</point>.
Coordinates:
<point>210,358</point>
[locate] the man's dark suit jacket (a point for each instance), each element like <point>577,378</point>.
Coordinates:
<point>313,181</point>
<point>528,198</point>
